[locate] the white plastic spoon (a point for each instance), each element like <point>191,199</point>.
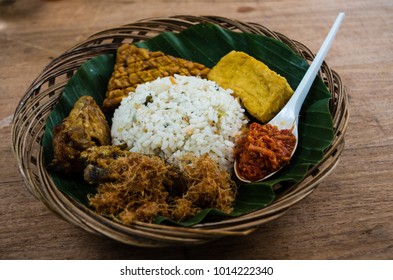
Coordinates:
<point>287,118</point>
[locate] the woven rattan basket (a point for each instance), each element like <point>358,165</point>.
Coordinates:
<point>40,98</point>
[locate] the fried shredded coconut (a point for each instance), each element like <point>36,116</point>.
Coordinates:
<point>132,186</point>
<point>208,185</point>
<point>136,187</point>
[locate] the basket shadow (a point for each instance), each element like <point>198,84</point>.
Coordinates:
<point>259,243</point>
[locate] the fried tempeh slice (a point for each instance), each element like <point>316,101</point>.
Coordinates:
<point>84,127</point>
<point>135,66</point>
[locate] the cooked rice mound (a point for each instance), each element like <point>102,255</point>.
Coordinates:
<point>175,116</point>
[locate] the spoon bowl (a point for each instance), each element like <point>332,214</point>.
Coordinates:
<point>287,118</point>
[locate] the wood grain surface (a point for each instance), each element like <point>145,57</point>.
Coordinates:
<point>350,214</point>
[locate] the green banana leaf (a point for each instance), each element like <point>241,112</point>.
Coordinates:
<point>206,44</point>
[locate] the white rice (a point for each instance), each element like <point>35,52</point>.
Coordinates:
<point>193,115</point>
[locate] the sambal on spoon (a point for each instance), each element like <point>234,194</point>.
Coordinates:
<point>283,127</point>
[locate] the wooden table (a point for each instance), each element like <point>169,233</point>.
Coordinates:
<point>350,214</point>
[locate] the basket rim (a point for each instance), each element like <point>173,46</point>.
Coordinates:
<point>144,234</point>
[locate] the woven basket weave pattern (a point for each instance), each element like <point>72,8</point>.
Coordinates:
<point>40,98</point>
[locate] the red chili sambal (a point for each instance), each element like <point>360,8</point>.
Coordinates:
<point>263,150</point>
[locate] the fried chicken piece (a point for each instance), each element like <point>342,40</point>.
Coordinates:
<point>135,66</point>
<point>84,127</point>
<point>98,161</point>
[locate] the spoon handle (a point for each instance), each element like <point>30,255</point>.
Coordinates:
<point>308,79</point>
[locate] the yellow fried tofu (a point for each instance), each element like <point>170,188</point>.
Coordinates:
<point>262,91</point>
